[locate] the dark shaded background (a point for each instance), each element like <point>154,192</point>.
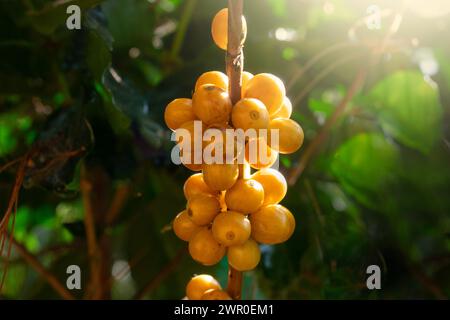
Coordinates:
<point>376,191</point>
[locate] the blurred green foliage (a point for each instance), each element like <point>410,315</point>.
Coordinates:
<point>376,192</point>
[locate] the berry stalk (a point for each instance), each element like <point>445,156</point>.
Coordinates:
<point>234,68</point>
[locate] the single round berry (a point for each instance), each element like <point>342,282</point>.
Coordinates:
<point>195,185</point>
<point>204,249</point>
<point>246,76</point>
<point>203,208</point>
<point>219,29</point>
<point>178,112</point>
<point>290,135</point>
<point>231,228</point>
<point>285,111</point>
<point>244,257</point>
<point>212,105</point>
<point>274,185</point>
<point>189,140</point>
<point>259,155</point>
<point>216,78</point>
<point>198,285</point>
<point>215,294</point>
<point>245,196</point>
<point>272,224</point>
<point>220,177</point>
<point>267,88</point>
<point>250,114</point>
<point>221,146</point>
<point>184,227</point>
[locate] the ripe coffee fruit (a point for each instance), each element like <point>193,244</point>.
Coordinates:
<point>274,185</point>
<point>290,135</point>
<point>204,249</point>
<point>231,228</point>
<point>219,29</point>
<point>245,196</point>
<point>198,285</point>
<point>184,227</point>
<point>244,257</point>
<point>285,110</point>
<point>246,76</point>
<point>215,294</point>
<point>258,154</point>
<point>216,78</point>
<point>212,105</point>
<point>272,224</point>
<point>203,208</point>
<point>220,177</point>
<point>195,185</point>
<point>267,88</point>
<point>250,114</point>
<point>178,112</point>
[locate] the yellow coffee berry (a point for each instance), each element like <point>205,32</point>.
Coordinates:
<point>272,224</point>
<point>178,112</point>
<point>244,257</point>
<point>195,185</point>
<point>192,132</point>
<point>183,226</point>
<point>215,294</point>
<point>198,285</point>
<point>290,135</point>
<point>219,29</point>
<point>246,76</point>
<point>285,110</point>
<point>203,208</point>
<point>221,146</point>
<point>258,154</point>
<point>274,185</point>
<point>267,88</point>
<point>246,196</point>
<point>216,78</point>
<point>212,105</point>
<point>250,114</point>
<point>231,228</point>
<point>220,177</point>
<point>204,249</point>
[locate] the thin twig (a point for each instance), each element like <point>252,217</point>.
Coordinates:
<point>47,275</point>
<point>164,273</point>
<point>118,202</point>
<point>234,67</point>
<point>182,28</point>
<point>92,244</point>
<point>311,149</point>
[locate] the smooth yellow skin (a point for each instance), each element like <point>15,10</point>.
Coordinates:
<point>183,227</point>
<point>219,29</point>
<point>267,88</point>
<point>215,294</point>
<point>220,177</point>
<point>204,249</point>
<point>198,285</point>
<point>265,156</point>
<point>272,224</point>
<point>216,78</point>
<point>246,196</point>
<point>231,228</point>
<point>250,113</point>
<point>246,76</point>
<point>195,185</point>
<point>291,135</point>
<point>212,105</point>
<point>244,257</point>
<point>285,111</point>
<point>178,112</point>
<point>203,208</point>
<point>274,185</point>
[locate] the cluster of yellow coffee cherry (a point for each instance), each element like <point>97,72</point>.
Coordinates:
<point>229,212</point>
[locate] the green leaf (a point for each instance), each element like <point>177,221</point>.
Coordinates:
<point>98,55</point>
<point>408,109</point>
<point>364,165</point>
